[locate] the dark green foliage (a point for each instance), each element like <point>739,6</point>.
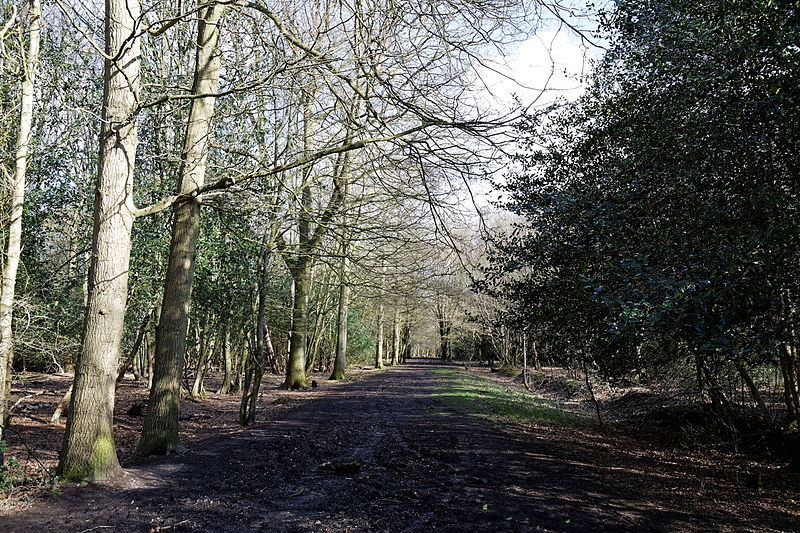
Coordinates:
<point>661,209</point>
<point>11,473</point>
<point>57,217</point>
<point>360,337</point>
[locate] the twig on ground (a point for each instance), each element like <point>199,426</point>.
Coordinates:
<point>164,528</point>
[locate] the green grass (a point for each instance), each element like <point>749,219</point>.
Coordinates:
<point>470,394</point>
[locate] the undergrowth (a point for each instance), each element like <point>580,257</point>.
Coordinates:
<point>470,394</point>
<point>12,473</point>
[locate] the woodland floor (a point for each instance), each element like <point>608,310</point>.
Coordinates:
<point>421,467</point>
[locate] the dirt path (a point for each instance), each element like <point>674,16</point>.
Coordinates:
<point>422,468</point>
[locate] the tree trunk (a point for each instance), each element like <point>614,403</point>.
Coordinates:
<point>160,430</point>
<point>790,370</point>
<point>396,338</point>
<point>754,393</point>
<point>341,319</point>
<point>151,348</point>
<point>88,449</point>
<point>296,365</point>
<point>314,334</point>
<point>207,348</point>
<point>300,262</point>
<point>379,343</point>
<point>405,339</point>
<point>525,374</point>
<point>591,390</point>
<point>247,412</point>
<point>17,186</point>
<point>715,390</point>
<point>444,338</point>
<point>506,346</point>
<point>264,349</point>
<point>140,334</point>
<point>275,366</point>
<point>243,361</point>
<point>444,330</point>
<point>227,361</point>
<point>238,356</point>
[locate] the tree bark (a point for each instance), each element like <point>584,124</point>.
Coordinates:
<point>227,361</point>
<point>340,361</point>
<point>17,186</point>
<point>396,338</point>
<point>88,450</point>
<point>160,430</point>
<point>140,334</point>
<point>296,365</point>
<point>264,349</point>
<point>379,339</point>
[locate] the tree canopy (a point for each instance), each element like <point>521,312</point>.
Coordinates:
<point>659,211</point>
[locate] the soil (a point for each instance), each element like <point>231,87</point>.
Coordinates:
<point>379,454</point>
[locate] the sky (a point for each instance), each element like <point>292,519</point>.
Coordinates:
<point>549,65</point>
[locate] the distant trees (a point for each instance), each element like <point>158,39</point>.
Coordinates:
<point>339,137</point>
<point>660,209</point>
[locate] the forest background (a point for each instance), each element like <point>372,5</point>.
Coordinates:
<point>281,188</point>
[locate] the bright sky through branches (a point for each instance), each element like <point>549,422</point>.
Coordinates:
<point>548,65</point>
<point>552,64</point>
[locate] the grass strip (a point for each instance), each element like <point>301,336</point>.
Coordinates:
<point>467,393</point>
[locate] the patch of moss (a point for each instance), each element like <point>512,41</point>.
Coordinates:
<point>159,443</point>
<point>470,394</point>
<point>98,466</point>
<point>103,452</point>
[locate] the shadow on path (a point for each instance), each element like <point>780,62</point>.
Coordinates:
<point>422,468</point>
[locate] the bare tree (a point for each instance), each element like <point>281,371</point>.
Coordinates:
<point>17,186</point>
<point>88,450</point>
<point>160,431</point>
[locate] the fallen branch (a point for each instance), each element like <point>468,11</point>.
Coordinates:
<point>28,397</point>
